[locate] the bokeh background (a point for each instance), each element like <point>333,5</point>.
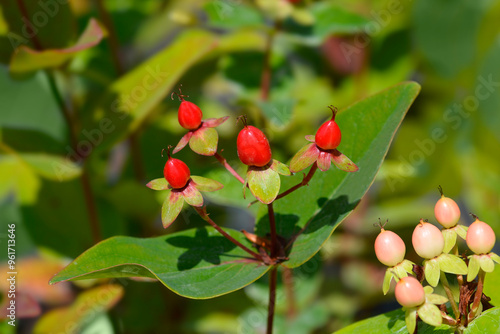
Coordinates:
<point>63,171</point>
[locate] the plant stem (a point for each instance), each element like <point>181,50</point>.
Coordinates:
<point>203,214</point>
<point>446,286</point>
<point>272,227</point>
<point>272,299</point>
<point>304,182</point>
<point>265,80</point>
<point>31,31</point>
<point>460,278</point>
<point>290,293</point>
<point>95,227</point>
<point>230,169</point>
<point>479,294</point>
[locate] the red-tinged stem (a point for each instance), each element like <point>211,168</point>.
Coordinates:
<point>478,295</point>
<point>449,294</point>
<point>304,182</point>
<point>272,227</point>
<point>290,293</point>
<point>33,36</point>
<point>272,299</point>
<point>448,320</point>
<point>265,80</point>
<point>230,169</point>
<point>203,214</point>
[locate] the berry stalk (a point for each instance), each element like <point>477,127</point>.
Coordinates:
<point>449,294</point>
<point>302,183</point>
<point>230,169</point>
<point>272,299</point>
<point>478,295</point>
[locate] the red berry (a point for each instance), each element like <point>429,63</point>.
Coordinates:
<point>253,147</point>
<point>428,241</point>
<point>480,237</point>
<point>446,211</point>
<point>176,173</point>
<point>328,135</point>
<point>389,248</point>
<point>189,115</point>
<point>409,292</point>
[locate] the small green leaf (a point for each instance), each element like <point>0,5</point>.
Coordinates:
<point>195,263</point>
<point>400,271</point>
<point>158,184</point>
<point>304,158</point>
<point>411,319</point>
<point>171,208</point>
<point>473,269</point>
<point>87,305</point>
<point>461,230</point>
<point>486,263</point>
<point>192,195</point>
<point>204,141</point>
<point>432,272</point>
<point>324,161</point>
<point>495,257</point>
<point>28,60</point>
<point>452,264</point>
<point>430,314</point>
<point>450,239</point>
<point>264,183</point>
<point>205,184</point>
<point>387,281</point>
<point>280,167</point>
<point>435,299</point>
<point>183,142</point>
<point>407,265</point>
<point>343,163</point>
<point>332,19</point>
<point>428,289</point>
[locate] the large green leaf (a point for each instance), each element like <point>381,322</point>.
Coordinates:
<point>332,19</point>
<point>197,263</point>
<point>367,130</point>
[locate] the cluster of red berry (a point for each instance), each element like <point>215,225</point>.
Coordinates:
<point>439,250</point>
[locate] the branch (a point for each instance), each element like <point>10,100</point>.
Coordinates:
<point>304,182</point>
<point>230,169</point>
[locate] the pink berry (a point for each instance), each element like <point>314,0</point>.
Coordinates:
<point>389,248</point>
<point>427,240</point>
<point>409,292</point>
<point>446,211</point>
<point>480,237</point>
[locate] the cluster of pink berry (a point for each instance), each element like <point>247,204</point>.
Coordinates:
<point>439,250</point>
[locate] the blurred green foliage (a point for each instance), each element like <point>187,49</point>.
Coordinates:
<point>325,52</point>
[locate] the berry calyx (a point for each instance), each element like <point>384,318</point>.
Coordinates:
<point>176,172</point>
<point>409,292</point>
<point>446,211</point>
<point>480,237</point>
<point>189,114</point>
<point>253,147</point>
<point>328,135</point>
<point>427,240</point>
<point>390,249</point>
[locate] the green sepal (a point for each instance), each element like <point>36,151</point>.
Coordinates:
<point>400,271</point>
<point>305,157</point>
<point>452,264</point>
<point>171,207</point>
<point>324,161</point>
<point>205,184</point>
<point>387,281</point>
<point>430,314</point>
<point>411,319</point>
<point>158,184</point>
<point>435,299</point>
<point>192,196</point>
<point>494,257</point>
<point>280,168</point>
<point>407,266</point>
<point>183,142</point>
<point>428,289</point>
<point>204,141</point>
<point>342,162</point>
<point>473,269</point>
<point>461,230</point>
<point>486,263</point>
<point>264,183</point>
<point>450,239</point>
<point>432,271</point>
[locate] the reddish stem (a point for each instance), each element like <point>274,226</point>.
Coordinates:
<point>265,80</point>
<point>272,227</point>
<point>230,169</point>
<point>478,295</point>
<point>203,214</point>
<point>33,36</point>
<point>304,182</point>
<point>290,293</point>
<point>272,299</point>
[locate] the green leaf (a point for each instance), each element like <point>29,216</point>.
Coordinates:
<point>196,263</point>
<point>86,306</point>
<point>430,313</point>
<point>391,322</point>
<point>432,272</point>
<point>411,319</point>
<point>332,19</point>
<point>305,157</point>
<point>435,299</point>
<point>369,126</point>
<point>486,263</point>
<point>452,264</point>
<point>205,184</point>
<point>204,141</point>
<point>487,322</point>
<point>461,231</point>
<point>171,208</point>
<point>491,284</point>
<point>280,167</point>
<point>229,14</point>
<point>192,196</point>
<point>473,268</point>
<point>158,184</point>
<point>450,239</point>
<point>52,167</point>
<point>26,59</point>
<point>387,281</point>
<point>264,183</point>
